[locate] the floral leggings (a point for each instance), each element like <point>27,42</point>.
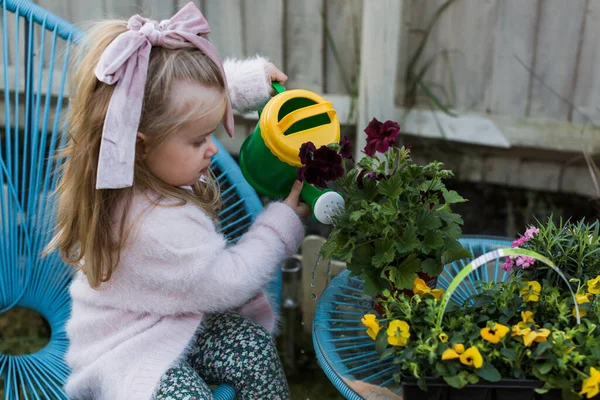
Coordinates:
<point>229,349</point>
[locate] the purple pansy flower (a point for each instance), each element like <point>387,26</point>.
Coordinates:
<point>380,136</point>
<point>345,148</point>
<point>320,165</point>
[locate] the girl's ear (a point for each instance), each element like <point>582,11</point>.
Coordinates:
<point>142,145</point>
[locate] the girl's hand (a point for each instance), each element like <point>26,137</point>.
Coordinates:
<point>274,74</point>
<point>293,200</point>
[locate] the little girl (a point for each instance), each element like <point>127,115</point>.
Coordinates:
<point>154,298</point>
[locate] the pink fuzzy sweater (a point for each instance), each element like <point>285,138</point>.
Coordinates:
<point>175,268</point>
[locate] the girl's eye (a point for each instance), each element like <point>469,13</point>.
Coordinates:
<point>200,143</point>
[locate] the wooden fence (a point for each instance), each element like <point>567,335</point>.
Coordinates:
<point>517,73</point>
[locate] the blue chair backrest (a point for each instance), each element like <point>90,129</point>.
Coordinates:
<point>36,47</point>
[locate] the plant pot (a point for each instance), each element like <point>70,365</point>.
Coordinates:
<point>506,389</point>
<point>431,282</point>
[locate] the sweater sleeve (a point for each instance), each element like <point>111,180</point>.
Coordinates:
<point>249,86</point>
<point>179,263</point>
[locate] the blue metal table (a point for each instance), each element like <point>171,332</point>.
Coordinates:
<point>345,352</point>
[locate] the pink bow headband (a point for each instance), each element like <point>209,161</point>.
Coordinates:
<point>125,62</point>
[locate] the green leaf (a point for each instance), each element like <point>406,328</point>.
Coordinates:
<point>458,381</point>
<point>391,187</point>
<point>472,379</point>
<point>406,273</point>
<point>387,353</point>
<point>384,252</point>
<point>452,255</point>
<point>451,197</point>
<point>509,354</point>
<point>542,347</point>
<point>428,185</point>
<point>369,189</point>
<point>544,368</point>
<point>371,286</point>
<point>362,254</point>
<point>432,241</point>
<point>408,242</point>
<point>569,394</point>
<point>356,215</point>
<point>431,267</point>
<point>453,231</point>
<point>448,216</point>
<point>427,220</point>
<point>454,381</point>
<point>381,341</point>
<point>488,372</point>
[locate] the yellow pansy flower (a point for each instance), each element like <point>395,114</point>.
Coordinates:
<point>398,333</point>
<point>581,298</point>
<point>531,292</point>
<point>594,285</point>
<point>590,386</point>
<point>420,287</point>
<point>437,293</point>
<point>459,348</point>
<point>472,356</point>
<point>370,321</point>
<point>538,335</point>
<point>495,334</point>
<point>527,316</point>
<point>521,329</point>
<point>443,337</point>
<point>455,352</point>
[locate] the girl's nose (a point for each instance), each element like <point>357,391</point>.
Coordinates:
<point>212,148</point>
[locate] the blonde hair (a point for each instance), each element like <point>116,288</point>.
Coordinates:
<point>85,215</point>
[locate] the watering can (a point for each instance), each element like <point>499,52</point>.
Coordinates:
<point>269,158</point>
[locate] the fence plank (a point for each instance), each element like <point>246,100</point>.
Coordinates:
<point>587,89</point>
<point>120,9</point>
<point>83,11</point>
<point>556,57</point>
<point>263,29</point>
<point>342,32</point>
<point>513,45</point>
<point>10,25</point>
<point>464,36</point>
<point>379,42</point>
<point>430,60</point>
<point>304,41</point>
<point>156,9</point>
<point>225,18</point>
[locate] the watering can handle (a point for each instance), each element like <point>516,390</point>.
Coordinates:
<point>278,87</point>
<point>303,113</point>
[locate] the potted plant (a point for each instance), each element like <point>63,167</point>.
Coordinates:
<point>571,245</point>
<point>397,223</point>
<point>514,339</point>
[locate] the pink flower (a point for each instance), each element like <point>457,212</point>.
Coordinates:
<point>525,261</point>
<point>531,231</point>
<point>508,264</point>
<point>520,241</point>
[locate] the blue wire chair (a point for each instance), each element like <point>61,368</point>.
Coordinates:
<point>36,46</point>
<point>345,352</point>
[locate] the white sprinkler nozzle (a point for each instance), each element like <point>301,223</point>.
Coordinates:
<point>328,205</point>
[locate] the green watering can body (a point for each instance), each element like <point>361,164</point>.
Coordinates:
<point>269,158</point>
